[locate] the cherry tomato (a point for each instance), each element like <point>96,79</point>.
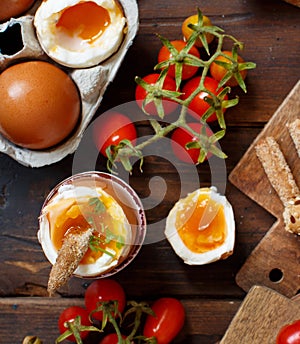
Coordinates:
<point>289,334</point>
<point>141,93</point>
<point>218,72</point>
<point>187,71</point>
<point>68,315</point>
<point>104,290</point>
<point>180,137</point>
<point>187,32</point>
<point>111,128</point>
<point>198,105</point>
<point>168,321</point>
<point>111,338</point>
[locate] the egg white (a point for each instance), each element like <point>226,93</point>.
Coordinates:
<point>189,257</point>
<point>106,261</point>
<point>85,54</point>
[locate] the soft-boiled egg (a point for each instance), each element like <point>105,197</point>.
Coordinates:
<point>80,33</point>
<point>201,227</point>
<point>86,207</point>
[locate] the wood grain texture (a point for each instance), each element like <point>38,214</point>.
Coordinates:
<point>210,292</point>
<point>278,249</point>
<point>260,317</point>
<point>256,185</point>
<point>44,313</point>
<point>273,263</point>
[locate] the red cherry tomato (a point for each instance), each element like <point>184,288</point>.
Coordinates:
<point>198,105</point>
<point>180,137</point>
<point>111,338</point>
<point>68,315</point>
<point>187,71</point>
<point>168,321</point>
<point>218,72</point>
<point>141,93</point>
<point>289,334</point>
<point>111,128</point>
<point>104,290</point>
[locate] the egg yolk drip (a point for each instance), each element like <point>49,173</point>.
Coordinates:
<point>107,235</point>
<point>86,20</point>
<point>201,225</point>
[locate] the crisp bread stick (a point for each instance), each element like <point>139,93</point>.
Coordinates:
<point>294,130</point>
<point>73,249</point>
<point>277,170</point>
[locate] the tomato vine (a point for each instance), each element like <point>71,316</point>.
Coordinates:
<point>113,320</point>
<point>217,103</point>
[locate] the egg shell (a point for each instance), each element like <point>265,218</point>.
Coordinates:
<point>221,252</point>
<point>40,104</point>
<point>14,8</point>
<point>92,83</point>
<point>74,51</point>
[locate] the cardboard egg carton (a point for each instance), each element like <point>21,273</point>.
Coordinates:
<point>91,82</point>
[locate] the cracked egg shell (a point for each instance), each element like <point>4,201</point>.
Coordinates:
<point>79,34</point>
<point>201,227</point>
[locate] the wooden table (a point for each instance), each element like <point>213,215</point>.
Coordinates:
<point>270,30</point>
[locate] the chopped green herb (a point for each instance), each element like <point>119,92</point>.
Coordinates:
<point>91,221</point>
<point>95,243</point>
<point>97,204</point>
<point>120,241</point>
<point>109,236</point>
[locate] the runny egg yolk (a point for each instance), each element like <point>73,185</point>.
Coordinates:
<point>201,225</point>
<point>69,215</point>
<point>86,20</point>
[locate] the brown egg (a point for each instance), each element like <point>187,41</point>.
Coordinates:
<point>40,104</point>
<point>13,8</point>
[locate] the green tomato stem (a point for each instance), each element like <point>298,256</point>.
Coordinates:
<point>156,93</point>
<point>112,320</point>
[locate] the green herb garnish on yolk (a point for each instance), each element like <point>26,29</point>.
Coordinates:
<point>109,236</point>
<point>97,204</point>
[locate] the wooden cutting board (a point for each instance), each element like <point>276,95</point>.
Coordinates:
<point>260,317</point>
<point>275,262</point>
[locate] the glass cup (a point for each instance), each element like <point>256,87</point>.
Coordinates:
<point>74,201</point>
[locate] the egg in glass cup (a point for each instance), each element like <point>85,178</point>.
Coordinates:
<point>100,209</point>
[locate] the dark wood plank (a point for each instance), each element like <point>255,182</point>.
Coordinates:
<point>44,312</point>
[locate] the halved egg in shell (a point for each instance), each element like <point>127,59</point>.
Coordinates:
<point>80,33</point>
<point>201,227</point>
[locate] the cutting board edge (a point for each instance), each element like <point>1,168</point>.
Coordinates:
<point>233,174</point>
<point>258,292</point>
